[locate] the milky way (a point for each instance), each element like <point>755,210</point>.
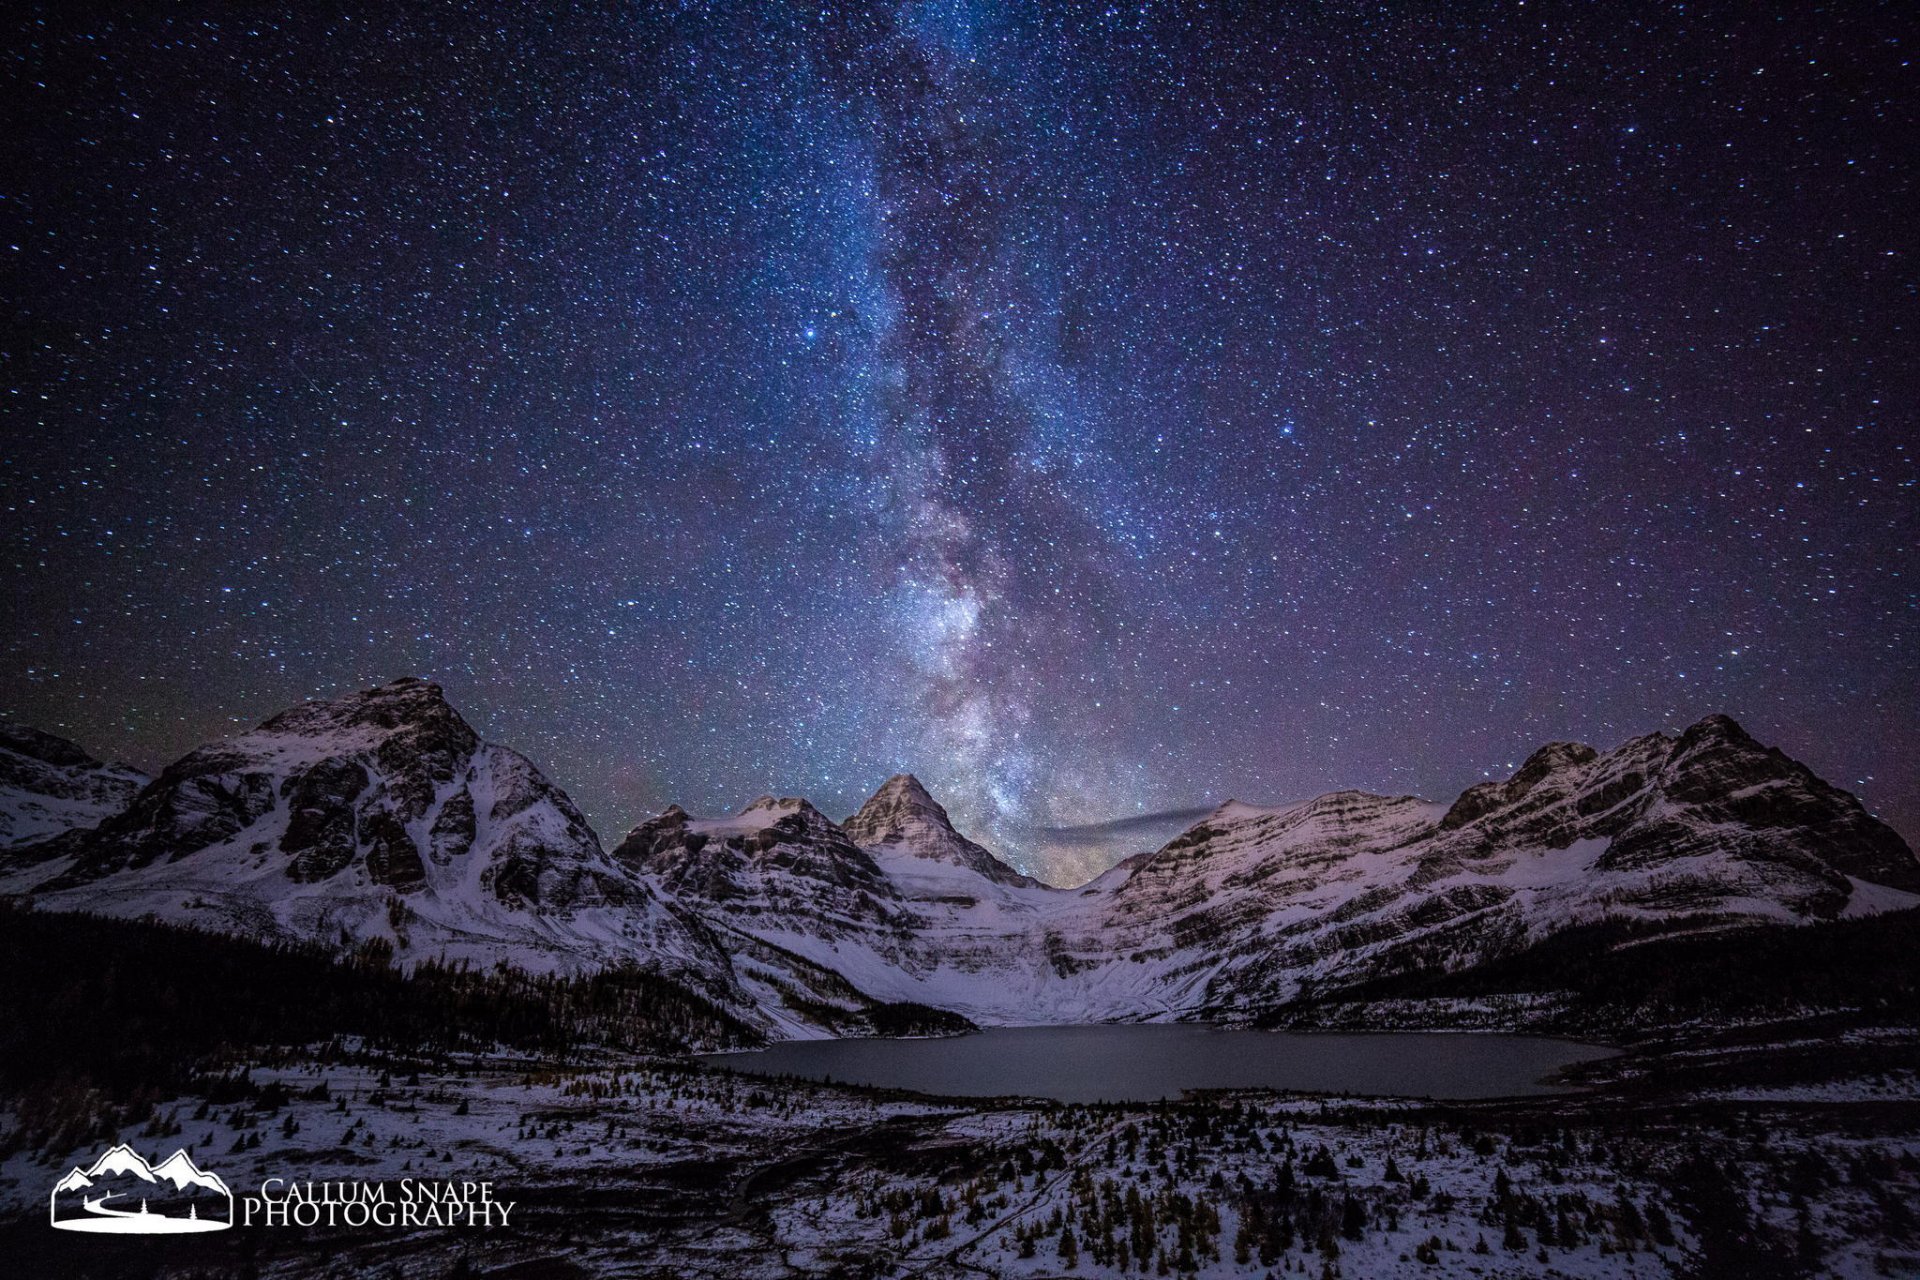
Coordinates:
<point>1095,410</point>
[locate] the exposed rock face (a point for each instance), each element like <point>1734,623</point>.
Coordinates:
<point>341,793</point>
<point>902,818</point>
<point>1722,784</point>
<point>383,815</point>
<point>1706,830</point>
<point>776,856</point>
<point>49,786</point>
<point>377,814</point>
<point>1257,906</point>
<point>802,912</point>
<point>1550,765</point>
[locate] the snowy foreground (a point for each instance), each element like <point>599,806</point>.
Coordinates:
<point>657,1169</point>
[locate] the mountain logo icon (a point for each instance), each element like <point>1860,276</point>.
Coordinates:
<point>121,1194</point>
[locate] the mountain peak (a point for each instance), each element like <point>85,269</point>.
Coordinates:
<point>1484,798</point>
<point>25,740</point>
<point>777,805</point>
<point>407,703</point>
<point>903,817</point>
<point>904,785</point>
<point>1717,727</point>
<point>50,786</point>
<point>1723,774</point>
<point>900,799</point>
<point>377,792</point>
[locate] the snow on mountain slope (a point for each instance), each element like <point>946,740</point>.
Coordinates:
<point>1707,829</point>
<point>49,786</point>
<point>775,885</point>
<point>903,920</point>
<point>902,819</point>
<point>381,815</point>
<point>774,855</point>
<point>907,918</point>
<point>1256,906</point>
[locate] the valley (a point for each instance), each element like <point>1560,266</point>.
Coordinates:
<point>382,817</point>
<point>359,943</point>
<point>652,1169</point>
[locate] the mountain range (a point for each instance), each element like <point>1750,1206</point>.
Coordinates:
<point>382,818</point>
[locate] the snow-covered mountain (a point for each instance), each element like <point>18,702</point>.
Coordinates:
<point>1254,907</point>
<point>48,785</point>
<point>382,815</point>
<point>376,815</point>
<point>902,821</point>
<point>320,820</point>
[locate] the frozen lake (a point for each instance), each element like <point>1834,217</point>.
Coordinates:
<point>1145,1063</point>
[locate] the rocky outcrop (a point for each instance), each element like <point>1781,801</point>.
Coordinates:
<point>49,786</point>
<point>383,815</point>
<point>380,814</point>
<point>776,857</point>
<point>902,818</point>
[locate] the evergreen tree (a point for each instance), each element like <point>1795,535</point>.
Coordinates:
<point>1353,1218</point>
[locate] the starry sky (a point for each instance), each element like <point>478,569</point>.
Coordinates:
<point>1096,410</point>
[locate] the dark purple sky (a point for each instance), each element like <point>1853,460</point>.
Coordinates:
<point>1093,410</point>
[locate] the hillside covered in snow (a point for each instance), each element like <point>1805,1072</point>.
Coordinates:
<point>382,816</point>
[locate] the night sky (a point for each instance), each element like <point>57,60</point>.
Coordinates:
<point>1094,410</point>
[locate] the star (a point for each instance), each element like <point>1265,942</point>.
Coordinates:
<point>1094,413</point>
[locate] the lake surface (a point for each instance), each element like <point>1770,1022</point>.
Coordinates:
<point>1137,1063</point>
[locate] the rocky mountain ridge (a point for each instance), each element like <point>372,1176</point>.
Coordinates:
<point>383,816</point>
<point>49,785</point>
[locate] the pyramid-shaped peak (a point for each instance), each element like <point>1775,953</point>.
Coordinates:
<point>905,784</point>
<point>903,817</point>
<point>902,801</point>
